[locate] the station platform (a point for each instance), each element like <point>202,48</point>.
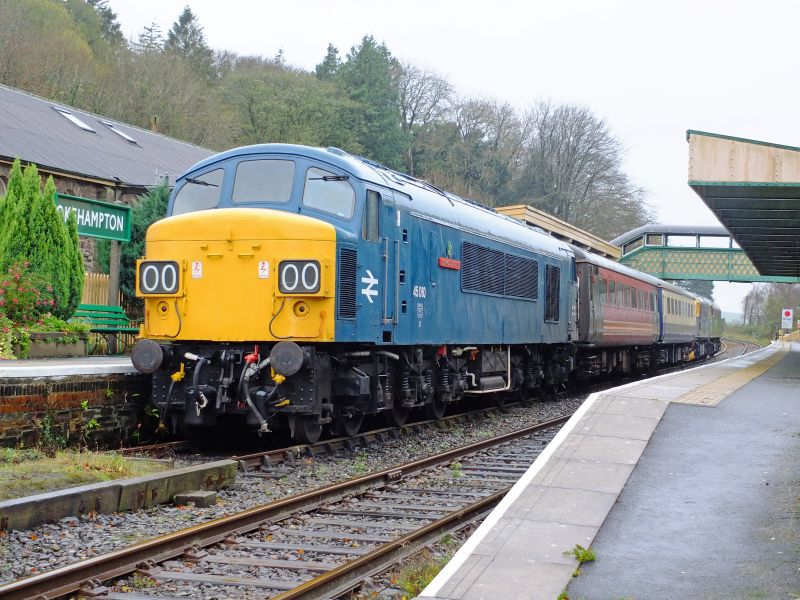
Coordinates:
<point>64,367</point>
<point>685,486</point>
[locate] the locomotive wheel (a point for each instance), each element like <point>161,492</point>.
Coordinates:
<point>307,430</point>
<point>435,408</point>
<point>397,416</point>
<point>350,426</point>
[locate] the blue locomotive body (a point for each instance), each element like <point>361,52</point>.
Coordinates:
<point>358,291</point>
<point>415,264</point>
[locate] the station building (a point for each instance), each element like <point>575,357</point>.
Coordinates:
<point>88,155</point>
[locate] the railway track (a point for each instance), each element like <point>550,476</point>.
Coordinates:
<point>318,544</point>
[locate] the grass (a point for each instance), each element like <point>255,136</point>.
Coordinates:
<point>581,554</point>
<point>420,570</point>
<point>24,472</point>
<point>360,462</point>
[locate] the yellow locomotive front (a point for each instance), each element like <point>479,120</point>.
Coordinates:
<point>237,275</point>
<point>224,290</point>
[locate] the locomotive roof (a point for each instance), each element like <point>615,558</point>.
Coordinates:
<point>424,199</point>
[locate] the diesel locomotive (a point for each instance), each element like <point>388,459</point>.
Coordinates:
<point>304,288</point>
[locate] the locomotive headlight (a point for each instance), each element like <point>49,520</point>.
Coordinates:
<point>298,277</point>
<point>158,277</point>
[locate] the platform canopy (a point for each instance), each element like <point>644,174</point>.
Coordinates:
<point>753,188</point>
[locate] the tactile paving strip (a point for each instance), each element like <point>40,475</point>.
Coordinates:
<point>714,392</point>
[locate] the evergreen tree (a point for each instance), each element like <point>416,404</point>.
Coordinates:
<point>15,237</point>
<point>369,76</point>
<point>147,209</point>
<point>11,199</point>
<point>329,65</point>
<point>76,269</point>
<point>110,28</point>
<point>32,231</point>
<point>150,40</point>
<point>186,39</point>
<point>50,257</point>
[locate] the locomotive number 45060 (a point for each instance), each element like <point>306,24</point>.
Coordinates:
<point>420,291</point>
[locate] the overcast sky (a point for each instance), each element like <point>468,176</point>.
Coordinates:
<point>651,70</point>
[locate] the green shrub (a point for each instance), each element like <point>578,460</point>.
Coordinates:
<point>32,231</point>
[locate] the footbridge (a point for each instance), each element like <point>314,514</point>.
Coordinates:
<point>690,252</point>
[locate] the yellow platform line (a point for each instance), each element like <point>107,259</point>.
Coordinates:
<point>714,392</point>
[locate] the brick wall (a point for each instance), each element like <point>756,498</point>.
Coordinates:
<point>115,401</point>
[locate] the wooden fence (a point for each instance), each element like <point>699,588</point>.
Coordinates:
<point>95,289</point>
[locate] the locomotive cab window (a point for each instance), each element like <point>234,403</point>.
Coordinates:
<point>329,193</point>
<point>263,181</point>
<point>372,216</point>
<point>199,193</point>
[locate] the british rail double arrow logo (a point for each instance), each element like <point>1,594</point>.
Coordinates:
<point>371,282</point>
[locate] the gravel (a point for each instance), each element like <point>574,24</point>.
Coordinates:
<point>25,553</point>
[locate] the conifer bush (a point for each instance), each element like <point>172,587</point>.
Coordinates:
<point>33,233</point>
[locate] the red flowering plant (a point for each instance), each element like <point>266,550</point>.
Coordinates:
<point>7,337</point>
<point>25,297</point>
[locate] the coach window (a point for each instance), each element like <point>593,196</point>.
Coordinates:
<point>372,216</point>
<point>198,193</point>
<point>329,193</point>
<point>267,180</point>
<point>602,286</point>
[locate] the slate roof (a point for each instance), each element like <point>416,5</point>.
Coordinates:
<point>31,129</point>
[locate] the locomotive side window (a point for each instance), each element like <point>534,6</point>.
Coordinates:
<point>372,216</point>
<point>552,293</point>
<point>329,193</point>
<point>263,181</point>
<point>199,193</point>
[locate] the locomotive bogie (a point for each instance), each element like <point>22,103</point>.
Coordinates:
<point>336,386</point>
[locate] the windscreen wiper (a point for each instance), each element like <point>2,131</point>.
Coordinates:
<point>200,182</point>
<point>330,178</point>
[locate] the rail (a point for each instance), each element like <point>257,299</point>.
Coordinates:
<point>71,578</point>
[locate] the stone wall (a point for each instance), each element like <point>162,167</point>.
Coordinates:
<point>115,401</point>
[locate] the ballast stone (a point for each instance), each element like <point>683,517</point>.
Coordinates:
<point>200,498</point>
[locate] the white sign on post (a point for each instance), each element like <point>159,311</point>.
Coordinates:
<point>787,319</point>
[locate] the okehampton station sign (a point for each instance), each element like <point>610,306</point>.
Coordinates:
<point>96,219</point>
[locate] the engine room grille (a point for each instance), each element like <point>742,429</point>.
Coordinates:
<point>522,277</point>
<point>552,293</point>
<point>348,260</point>
<point>482,269</point>
<point>493,272</point>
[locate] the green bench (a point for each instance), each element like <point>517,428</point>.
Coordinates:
<point>106,320</point>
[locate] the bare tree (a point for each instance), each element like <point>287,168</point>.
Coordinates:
<point>424,97</point>
<point>572,168</point>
